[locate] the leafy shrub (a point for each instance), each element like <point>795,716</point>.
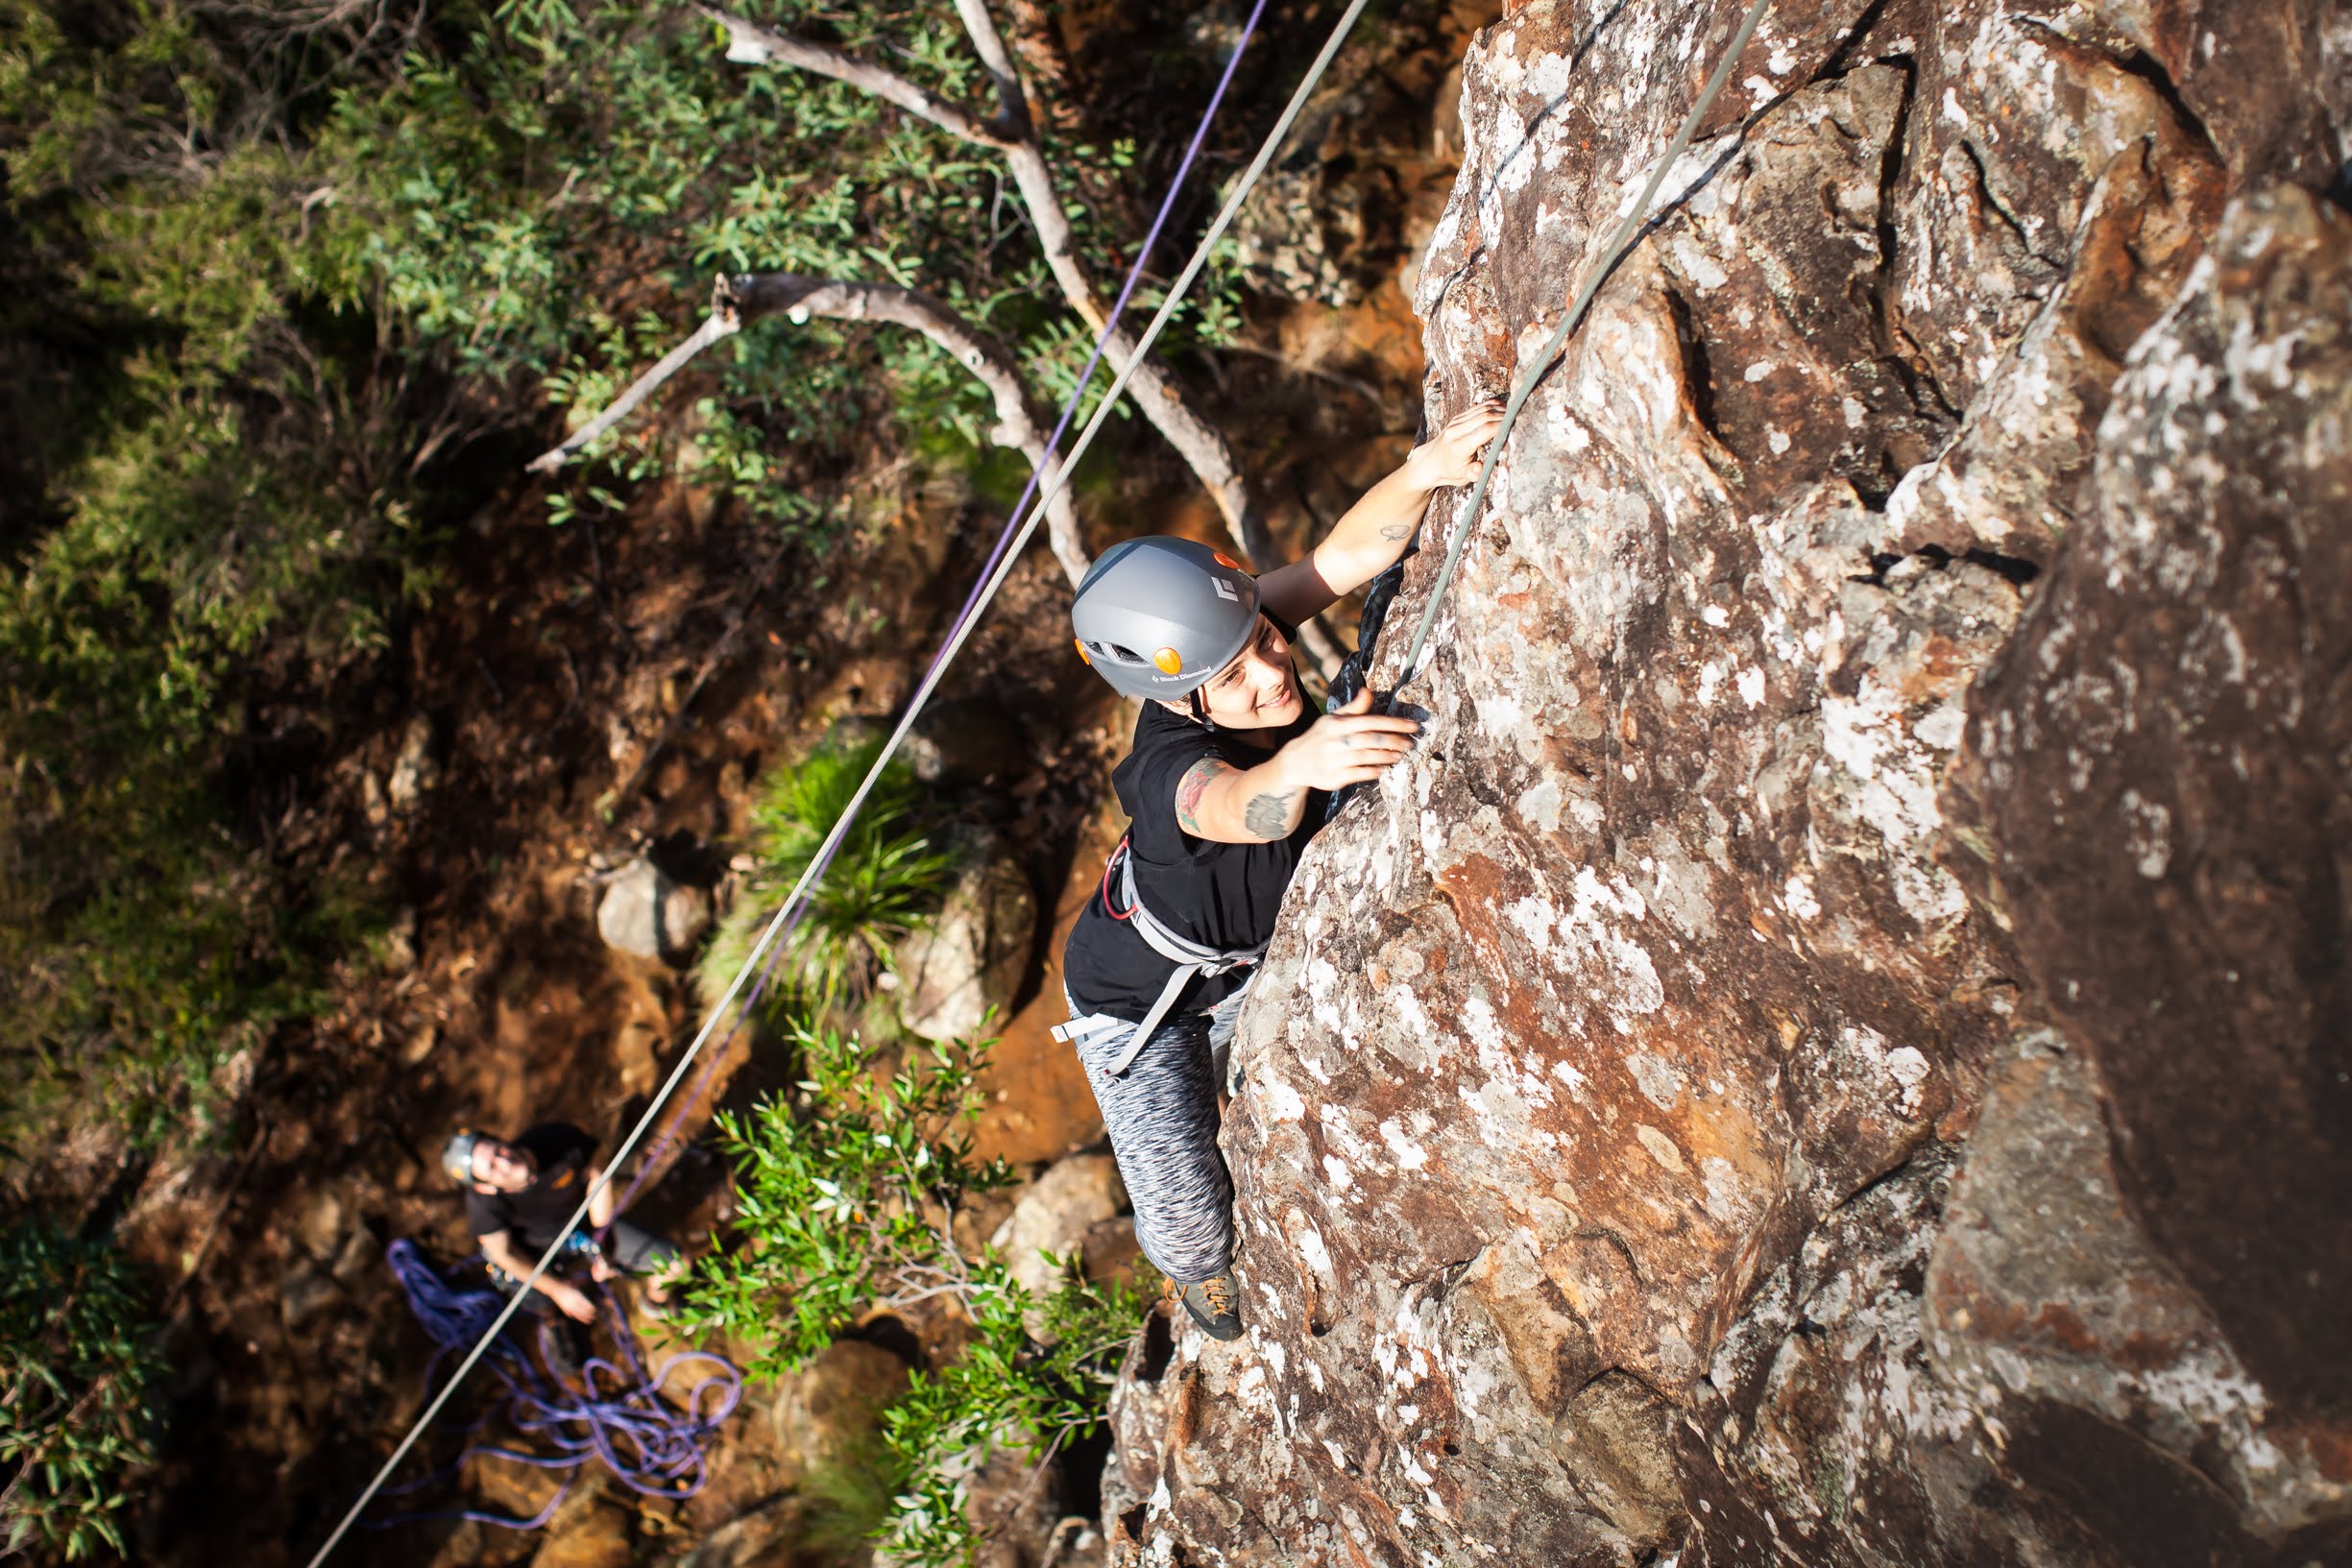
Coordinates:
<point>141,942</point>
<point>883,879</point>
<point>846,1196</point>
<point>1034,1394</point>
<point>75,1372</point>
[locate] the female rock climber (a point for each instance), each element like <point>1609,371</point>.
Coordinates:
<point>1222,791</point>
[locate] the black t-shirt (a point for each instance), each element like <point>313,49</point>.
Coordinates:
<point>534,1216</point>
<point>1222,896</point>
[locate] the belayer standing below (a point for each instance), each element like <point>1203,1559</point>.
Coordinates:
<point>1222,789</point>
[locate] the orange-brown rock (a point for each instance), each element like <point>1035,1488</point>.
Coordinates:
<point>1833,1050</point>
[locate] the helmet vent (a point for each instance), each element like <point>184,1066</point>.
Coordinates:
<point>1124,653</point>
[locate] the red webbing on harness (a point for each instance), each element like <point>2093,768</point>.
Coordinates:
<point>1108,866</point>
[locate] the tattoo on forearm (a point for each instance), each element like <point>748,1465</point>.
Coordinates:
<point>1190,788</point>
<point>1402,529</point>
<point>1269,816</point>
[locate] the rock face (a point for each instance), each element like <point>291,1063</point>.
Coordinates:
<point>1832,1049</point>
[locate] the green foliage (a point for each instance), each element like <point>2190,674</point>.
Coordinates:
<point>262,269</point>
<point>76,1367</point>
<point>846,1196</point>
<point>845,1191</point>
<point>1032,1392</point>
<point>139,942</point>
<point>883,881</point>
<point>195,530</point>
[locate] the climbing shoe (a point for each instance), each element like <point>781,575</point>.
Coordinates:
<point>1214,1303</point>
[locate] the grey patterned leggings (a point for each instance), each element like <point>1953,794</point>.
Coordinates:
<point>1162,1119</point>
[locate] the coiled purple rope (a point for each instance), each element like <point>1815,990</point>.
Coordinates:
<point>618,1414</point>
<point>668,1136</point>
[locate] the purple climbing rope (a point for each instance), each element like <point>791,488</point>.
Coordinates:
<point>618,1414</point>
<point>668,1136</point>
<point>1111,323</point>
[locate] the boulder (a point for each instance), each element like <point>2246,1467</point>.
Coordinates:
<point>1829,1052</point>
<point>1109,1251</point>
<point>766,1538</point>
<point>359,1254</point>
<point>305,1291</point>
<point>825,1411</point>
<point>588,1530</point>
<point>1057,1213</point>
<point>319,1226</point>
<point>967,742</point>
<point>649,914</point>
<point>519,1491</point>
<point>975,953</point>
<point>416,770</point>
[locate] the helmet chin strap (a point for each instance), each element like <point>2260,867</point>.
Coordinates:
<point>1200,709</point>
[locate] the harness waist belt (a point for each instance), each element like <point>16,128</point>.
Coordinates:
<point>1190,960</point>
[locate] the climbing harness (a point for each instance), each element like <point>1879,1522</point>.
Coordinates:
<point>651,1435</point>
<point>1002,560</point>
<point>1192,961</point>
<point>578,1248</point>
<point>1619,243</point>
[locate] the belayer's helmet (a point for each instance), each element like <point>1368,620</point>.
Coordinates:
<point>458,1155</point>
<point>1156,617</point>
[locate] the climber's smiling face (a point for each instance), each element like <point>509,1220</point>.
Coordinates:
<point>1259,689</point>
<point>500,1166</point>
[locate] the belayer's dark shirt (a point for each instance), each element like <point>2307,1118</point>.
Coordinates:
<point>1222,896</point>
<point>535,1216</point>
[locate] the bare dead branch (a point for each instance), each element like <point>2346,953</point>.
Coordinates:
<point>1202,446</point>
<point>709,332</point>
<point>1012,104</point>
<point>746,297</point>
<point>1012,133</point>
<point>749,43</point>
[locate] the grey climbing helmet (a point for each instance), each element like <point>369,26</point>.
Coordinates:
<point>1156,617</point>
<point>458,1155</point>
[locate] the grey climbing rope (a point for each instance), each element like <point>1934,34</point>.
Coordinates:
<point>1618,243</point>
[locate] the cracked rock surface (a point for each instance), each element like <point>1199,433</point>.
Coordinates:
<point>1834,1049</point>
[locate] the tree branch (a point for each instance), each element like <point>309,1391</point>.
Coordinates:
<point>749,43</point>
<point>1202,446</point>
<point>670,365</point>
<point>747,296</point>
<point>1012,103</point>
<point>1013,134</point>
